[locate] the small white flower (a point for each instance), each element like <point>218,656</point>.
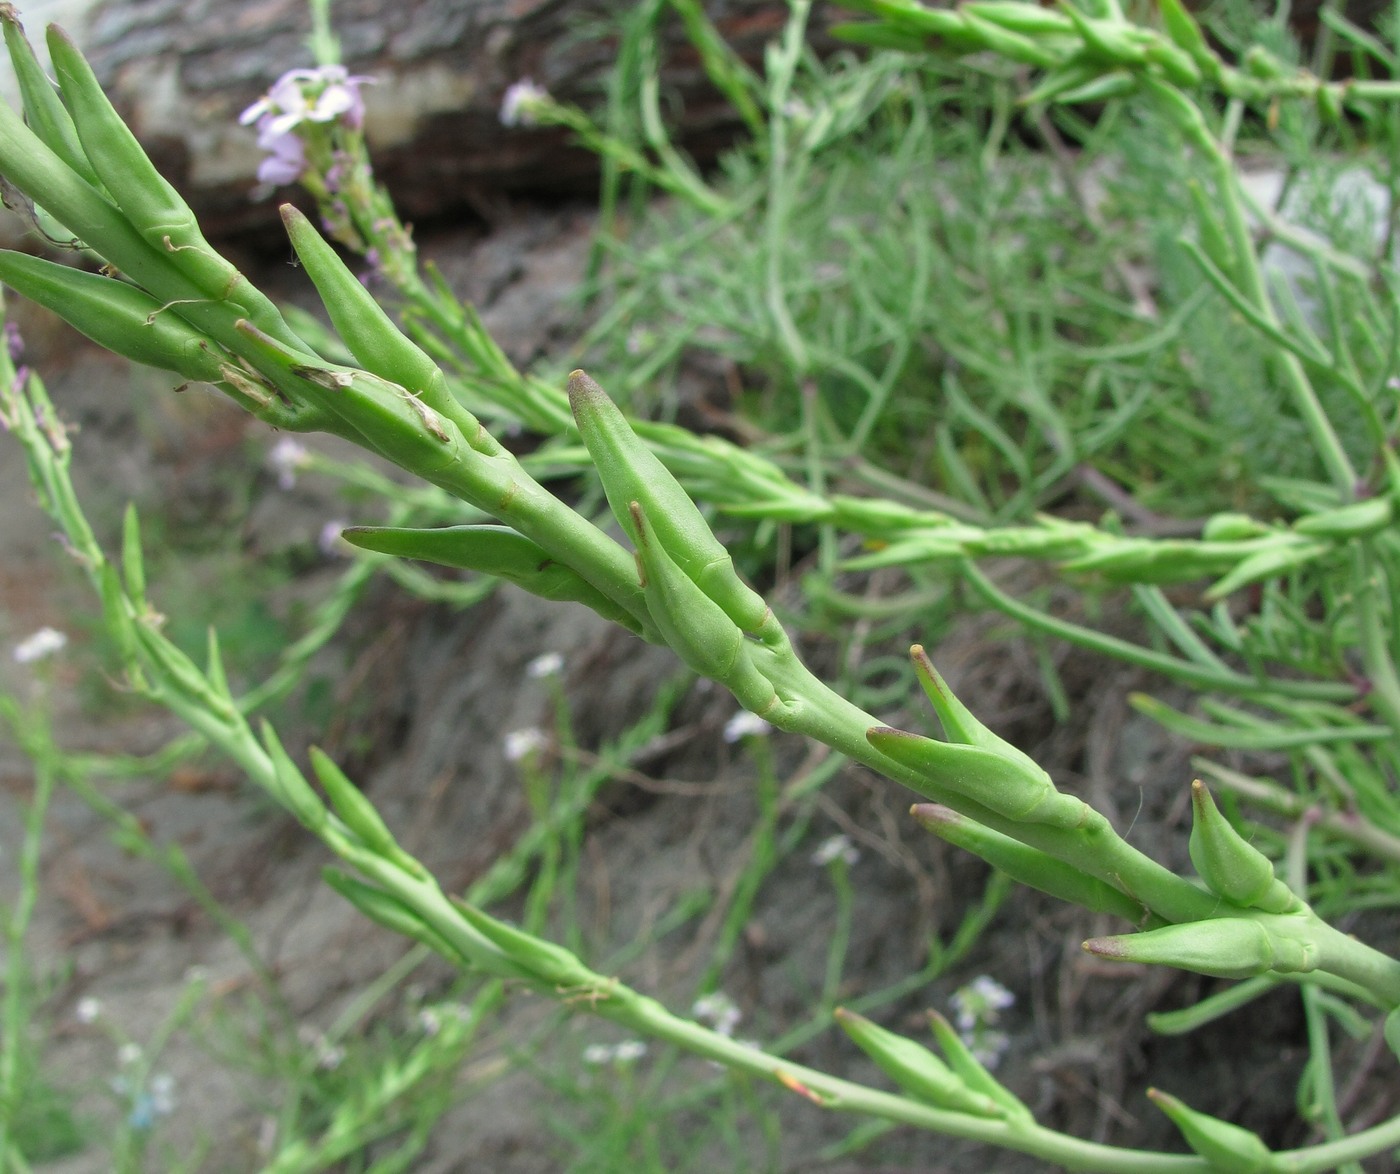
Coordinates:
<point>719,1011</point>
<point>196,974</point>
<point>745,724</point>
<point>626,1052</point>
<point>519,744</point>
<point>989,1047</point>
<point>286,458</point>
<point>129,1054</point>
<point>44,642</point>
<point>977,1008</point>
<point>516,105</point>
<point>833,848</point>
<point>329,1056</point>
<point>549,664</point>
<point>429,1021</point>
<point>88,1010</point>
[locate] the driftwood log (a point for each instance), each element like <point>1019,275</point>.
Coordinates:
<point>181,71</point>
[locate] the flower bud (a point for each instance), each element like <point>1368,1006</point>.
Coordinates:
<point>1230,1149</point>
<point>1231,866</point>
<point>1225,947</point>
<point>915,1069</point>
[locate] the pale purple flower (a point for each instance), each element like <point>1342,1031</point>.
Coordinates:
<point>286,156</point>
<point>286,458</point>
<point>329,541</point>
<point>13,342</point>
<point>323,95</point>
<point>310,95</point>
<point>516,106</point>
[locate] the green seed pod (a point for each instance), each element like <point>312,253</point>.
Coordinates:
<point>960,724</point>
<point>1031,19</point>
<point>1288,554</point>
<point>534,958</point>
<point>632,473</point>
<point>116,618</point>
<point>1067,78</point>
<point>1229,527</point>
<point>1117,84</point>
<point>372,336</point>
<point>939,22</point>
<point>972,1072</point>
<point>1027,865</point>
<point>915,1069</point>
<point>998,782</point>
<point>115,315</point>
<point>28,163</point>
<point>360,815</point>
<point>1225,947</point>
<point>1331,102</point>
<point>1176,65</point>
<point>1354,520</point>
<point>492,550</point>
<point>1106,39</point>
<point>1232,867</point>
<point>1008,44</point>
<point>388,911</point>
<point>153,207</point>
<point>1182,28</point>
<point>133,565</point>
<point>214,669</point>
<point>43,109</point>
<point>1259,62</point>
<point>694,625</point>
<point>382,415</point>
<point>293,790</point>
<point>1230,1149</point>
<point>1392,1031</point>
<point>879,36</point>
